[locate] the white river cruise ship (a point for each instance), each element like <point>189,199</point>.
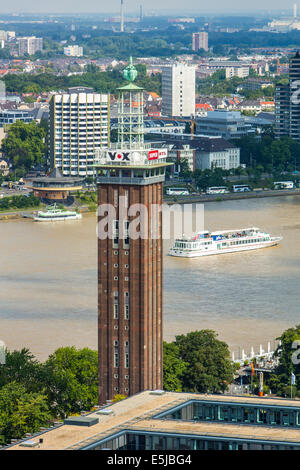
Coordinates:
<point>54,214</point>
<point>225,241</point>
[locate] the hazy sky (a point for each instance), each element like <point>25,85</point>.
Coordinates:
<point>73,6</point>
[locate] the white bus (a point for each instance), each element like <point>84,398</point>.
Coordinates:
<point>240,188</point>
<point>177,192</point>
<point>284,185</point>
<point>217,190</point>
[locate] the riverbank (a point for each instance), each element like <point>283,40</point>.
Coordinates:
<point>178,200</point>
<point>28,213</point>
<point>231,196</point>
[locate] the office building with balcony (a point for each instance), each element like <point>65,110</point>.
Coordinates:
<point>79,128</point>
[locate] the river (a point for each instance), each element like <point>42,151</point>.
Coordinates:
<point>48,281</point>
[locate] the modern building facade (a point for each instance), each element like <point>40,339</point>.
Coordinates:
<point>130,179</point>
<point>287,103</point>
<point>157,420</point>
<point>79,128</point>
<point>294,82</point>
<point>282,110</point>
<point>226,124</point>
<point>8,117</point>
<point>200,41</point>
<point>178,90</point>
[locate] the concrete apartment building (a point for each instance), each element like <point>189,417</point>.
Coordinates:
<point>232,68</point>
<point>178,90</point>
<point>30,45</point>
<point>79,128</point>
<point>200,41</point>
<point>73,51</point>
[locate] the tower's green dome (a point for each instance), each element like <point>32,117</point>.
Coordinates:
<point>130,72</point>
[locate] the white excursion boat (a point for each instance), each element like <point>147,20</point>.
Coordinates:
<point>226,241</point>
<point>54,213</point>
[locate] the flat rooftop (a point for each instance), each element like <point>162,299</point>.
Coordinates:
<point>136,414</point>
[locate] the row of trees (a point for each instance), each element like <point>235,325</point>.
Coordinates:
<point>288,354</point>
<point>18,202</point>
<point>197,362</point>
<point>32,394</point>
<point>103,82</point>
<point>269,154</point>
<point>25,145</point>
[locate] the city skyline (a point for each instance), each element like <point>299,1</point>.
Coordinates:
<point>169,7</point>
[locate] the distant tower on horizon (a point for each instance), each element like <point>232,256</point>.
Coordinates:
<point>295,10</point>
<point>122,17</point>
<point>200,41</point>
<point>141,12</point>
<point>130,179</point>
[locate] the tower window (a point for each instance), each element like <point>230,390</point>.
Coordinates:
<point>116,353</point>
<point>126,355</point>
<point>126,198</point>
<point>126,312</point>
<point>116,197</point>
<point>116,311</point>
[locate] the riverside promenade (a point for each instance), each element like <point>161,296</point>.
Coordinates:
<point>231,196</point>
<point>190,199</point>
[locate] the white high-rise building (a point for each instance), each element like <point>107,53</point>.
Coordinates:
<point>79,128</point>
<point>200,41</point>
<point>178,90</point>
<point>73,51</point>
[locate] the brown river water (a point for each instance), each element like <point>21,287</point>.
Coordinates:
<point>48,281</point>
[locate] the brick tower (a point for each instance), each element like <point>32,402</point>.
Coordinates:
<point>130,179</point>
